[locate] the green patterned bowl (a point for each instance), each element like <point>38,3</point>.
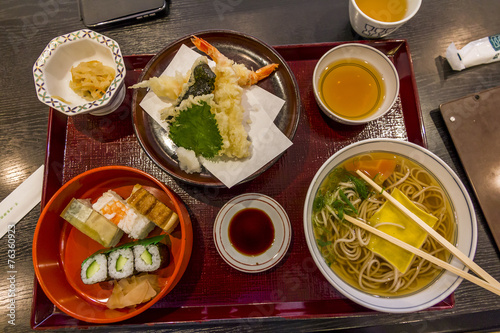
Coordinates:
<point>52,72</point>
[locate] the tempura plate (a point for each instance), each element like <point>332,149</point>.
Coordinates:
<point>241,48</point>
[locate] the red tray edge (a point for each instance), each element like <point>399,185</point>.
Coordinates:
<point>54,170</point>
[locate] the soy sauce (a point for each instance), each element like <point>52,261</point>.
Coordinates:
<point>251,231</point>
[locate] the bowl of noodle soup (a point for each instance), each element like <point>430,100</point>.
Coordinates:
<point>365,270</point>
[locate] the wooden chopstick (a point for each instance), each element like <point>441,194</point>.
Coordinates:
<point>424,255</point>
<point>440,239</point>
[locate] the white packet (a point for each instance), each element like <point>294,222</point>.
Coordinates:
<point>21,201</point>
<point>481,51</point>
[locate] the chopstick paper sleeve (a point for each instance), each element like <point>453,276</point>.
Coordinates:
<point>21,201</point>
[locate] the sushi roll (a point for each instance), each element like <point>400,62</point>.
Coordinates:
<point>113,207</point>
<point>120,263</point>
<point>94,269</point>
<point>149,258</point>
<point>144,255</point>
<point>79,213</point>
<point>155,210</point>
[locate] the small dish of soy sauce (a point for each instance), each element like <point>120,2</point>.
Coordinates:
<point>252,232</point>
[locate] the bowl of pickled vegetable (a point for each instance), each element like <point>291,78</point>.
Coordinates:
<point>80,72</point>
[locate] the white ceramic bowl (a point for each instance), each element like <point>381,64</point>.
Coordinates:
<point>52,72</point>
<point>367,54</point>
<point>461,204</point>
<point>282,233</point>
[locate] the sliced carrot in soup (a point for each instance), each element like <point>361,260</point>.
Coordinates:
<point>378,170</point>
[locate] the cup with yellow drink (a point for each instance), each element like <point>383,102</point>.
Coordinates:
<point>379,18</point>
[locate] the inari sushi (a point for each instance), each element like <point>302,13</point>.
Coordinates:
<point>79,213</point>
<point>151,257</point>
<point>113,207</point>
<point>155,210</point>
<point>120,263</point>
<point>94,269</point>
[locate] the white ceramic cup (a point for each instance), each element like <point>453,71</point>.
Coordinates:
<point>368,27</point>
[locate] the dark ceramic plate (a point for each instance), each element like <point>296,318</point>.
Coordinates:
<point>241,48</point>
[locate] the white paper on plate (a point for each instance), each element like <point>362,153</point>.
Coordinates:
<point>263,107</point>
<point>21,201</point>
<point>267,140</point>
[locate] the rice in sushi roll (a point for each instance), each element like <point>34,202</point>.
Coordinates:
<point>151,257</point>
<point>94,269</point>
<point>113,207</point>
<point>120,263</point>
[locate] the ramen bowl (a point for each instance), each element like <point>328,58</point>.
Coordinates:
<point>464,235</point>
<point>355,83</point>
<point>52,72</point>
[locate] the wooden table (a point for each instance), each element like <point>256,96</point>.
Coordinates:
<point>27,26</point>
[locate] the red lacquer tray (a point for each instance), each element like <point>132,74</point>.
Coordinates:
<point>210,289</point>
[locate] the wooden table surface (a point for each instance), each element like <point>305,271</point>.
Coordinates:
<point>27,26</point>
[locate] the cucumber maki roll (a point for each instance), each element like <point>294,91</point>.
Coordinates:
<point>94,269</point>
<point>151,257</point>
<point>120,263</point>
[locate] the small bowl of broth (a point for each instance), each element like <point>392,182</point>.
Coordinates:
<point>355,84</point>
<point>252,232</point>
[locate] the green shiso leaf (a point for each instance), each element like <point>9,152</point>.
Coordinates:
<point>196,129</point>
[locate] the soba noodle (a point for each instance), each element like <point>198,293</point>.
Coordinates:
<point>344,246</point>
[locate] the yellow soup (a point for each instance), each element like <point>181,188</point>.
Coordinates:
<point>384,10</point>
<point>352,88</point>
